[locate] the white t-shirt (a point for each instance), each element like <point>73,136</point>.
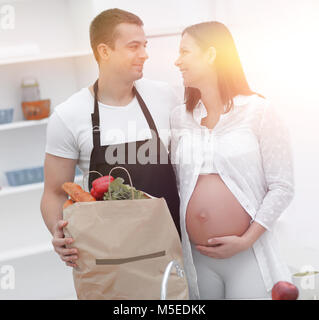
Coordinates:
<point>69,131</point>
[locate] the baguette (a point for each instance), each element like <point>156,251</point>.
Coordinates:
<point>67,203</point>
<point>76,193</point>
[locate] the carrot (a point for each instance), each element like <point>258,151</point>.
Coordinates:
<point>67,203</point>
<point>76,193</point>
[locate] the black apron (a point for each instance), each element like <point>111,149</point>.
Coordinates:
<point>157,179</point>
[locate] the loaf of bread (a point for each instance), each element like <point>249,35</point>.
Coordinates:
<point>76,193</point>
<point>67,203</point>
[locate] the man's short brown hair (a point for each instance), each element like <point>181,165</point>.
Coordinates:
<point>102,28</point>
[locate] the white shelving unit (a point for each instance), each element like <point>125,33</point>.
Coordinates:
<point>23,124</point>
<point>51,56</point>
<point>62,62</point>
<point>20,189</point>
<point>15,191</point>
<point>63,65</point>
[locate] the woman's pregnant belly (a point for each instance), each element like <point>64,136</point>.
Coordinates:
<point>214,211</point>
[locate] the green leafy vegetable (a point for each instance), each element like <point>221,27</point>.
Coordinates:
<point>120,191</point>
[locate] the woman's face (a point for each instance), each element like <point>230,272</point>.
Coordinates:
<point>192,62</point>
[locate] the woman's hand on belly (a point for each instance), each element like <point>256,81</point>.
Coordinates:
<point>223,247</point>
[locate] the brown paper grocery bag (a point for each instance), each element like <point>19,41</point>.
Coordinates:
<point>124,248</point>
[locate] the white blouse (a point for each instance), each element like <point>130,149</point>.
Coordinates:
<point>250,150</point>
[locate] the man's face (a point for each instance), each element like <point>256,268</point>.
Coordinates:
<point>129,53</point>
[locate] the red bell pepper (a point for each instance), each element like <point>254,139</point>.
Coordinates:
<point>101,185</point>
<point>97,196</point>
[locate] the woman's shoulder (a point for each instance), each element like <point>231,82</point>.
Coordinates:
<point>249,100</point>
<point>263,112</point>
<point>260,106</point>
<point>253,105</point>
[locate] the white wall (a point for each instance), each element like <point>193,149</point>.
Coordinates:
<point>164,13</point>
<point>278,46</point>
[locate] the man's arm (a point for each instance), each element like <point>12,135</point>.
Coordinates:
<point>57,170</point>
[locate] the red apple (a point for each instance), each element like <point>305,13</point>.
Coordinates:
<point>284,290</point>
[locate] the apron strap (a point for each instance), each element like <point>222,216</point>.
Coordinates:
<point>95,116</point>
<point>146,112</point>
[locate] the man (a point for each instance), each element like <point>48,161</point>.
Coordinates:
<point>88,127</point>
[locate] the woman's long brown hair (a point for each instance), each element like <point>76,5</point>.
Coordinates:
<point>230,74</point>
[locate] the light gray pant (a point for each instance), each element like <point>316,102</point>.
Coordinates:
<point>237,277</point>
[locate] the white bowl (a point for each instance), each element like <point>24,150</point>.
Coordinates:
<point>307,284</point>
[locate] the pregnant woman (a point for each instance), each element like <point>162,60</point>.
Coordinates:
<point>233,161</point>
